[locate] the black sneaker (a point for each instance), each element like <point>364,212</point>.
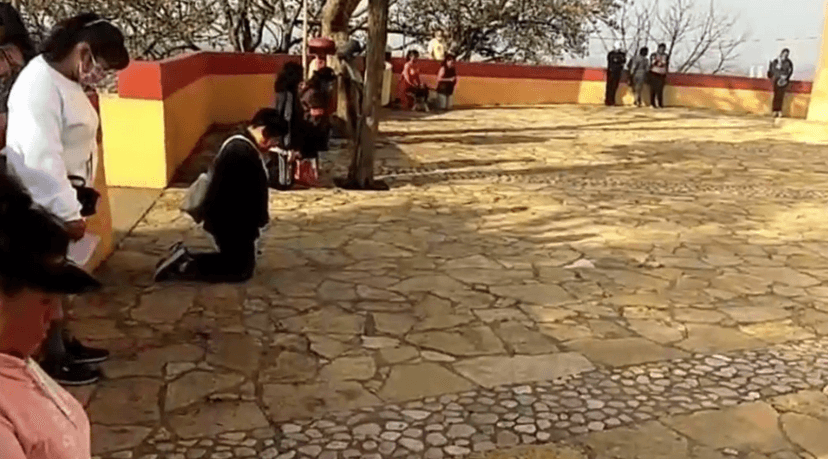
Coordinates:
<point>73,374</point>
<point>172,265</point>
<point>81,354</point>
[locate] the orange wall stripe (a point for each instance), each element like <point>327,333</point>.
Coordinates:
<point>159,80</point>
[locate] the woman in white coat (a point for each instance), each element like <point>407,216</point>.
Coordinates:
<point>52,136</point>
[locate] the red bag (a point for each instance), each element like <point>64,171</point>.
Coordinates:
<point>307,173</point>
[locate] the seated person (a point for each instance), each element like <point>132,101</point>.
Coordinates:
<point>38,418</point>
<point>413,91</point>
<point>235,207</point>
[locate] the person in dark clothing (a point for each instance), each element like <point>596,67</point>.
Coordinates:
<point>316,100</point>
<point>235,207</point>
<point>659,63</point>
<point>289,106</point>
<point>446,82</point>
<point>616,60</point>
<point>780,72</point>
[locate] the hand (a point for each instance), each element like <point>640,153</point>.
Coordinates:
<point>76,229</point>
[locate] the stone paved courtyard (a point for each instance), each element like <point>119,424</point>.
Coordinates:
<point>559,282</point>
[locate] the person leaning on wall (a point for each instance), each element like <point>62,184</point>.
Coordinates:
<point>616,60</point>
<point>52,148</point>
<point>38,419</point>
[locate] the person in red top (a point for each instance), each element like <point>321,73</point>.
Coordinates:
<point>412,90</point>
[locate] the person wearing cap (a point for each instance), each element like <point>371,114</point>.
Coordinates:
<point>616,60</point>
<point>38,418</point>
<point>52,136</point>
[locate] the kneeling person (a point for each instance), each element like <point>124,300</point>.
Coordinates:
<point>235,207</point>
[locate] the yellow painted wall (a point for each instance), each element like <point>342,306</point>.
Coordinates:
<point>237,98</point>
<point>818,108</point>
<point>477,91</point>
<point>133,137</point>
<point>187,116</point>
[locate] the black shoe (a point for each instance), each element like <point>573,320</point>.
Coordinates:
<point>81,354</point>
<point>172,265</point>
<point>73,374</point>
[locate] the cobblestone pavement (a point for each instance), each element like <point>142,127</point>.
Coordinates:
<point>561,282</point>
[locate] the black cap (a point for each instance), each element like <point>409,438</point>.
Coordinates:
<point>33,245</point>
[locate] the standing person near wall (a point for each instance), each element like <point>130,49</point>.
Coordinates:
<point>234,207</point>
<point>780,72</point>
<point>387,79</point>
<point>38,418</point>
<point>616,60</point>
<point>52,136</point>
<point>446,82</point>
<point>412,91</point>
<point>639,67</point>
<point>660,61</point>
<point>289,105</point>
<point>16,50</point>
<point>437,46</point>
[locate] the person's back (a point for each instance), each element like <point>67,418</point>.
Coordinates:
<point>237,197</point>
<point>639,66</point>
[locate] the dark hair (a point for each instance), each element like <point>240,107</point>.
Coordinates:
<point>644,51</point>
<point>785,50</point>
<point>15,32</point>
<point>289,77</point>
<point>321,76</point>
<point>411,53</point>
<point>105,40</point>
<point>28,233</point>
<point>662,45</point>
<point>273,123</point>
<point>448,57</point>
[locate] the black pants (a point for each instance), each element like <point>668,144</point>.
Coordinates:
<point>613,80</point>
<point>657,81</point>
<point>778,97</point>
<point>234,262</point>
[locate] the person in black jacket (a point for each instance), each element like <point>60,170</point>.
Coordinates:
<point>289,105</point>
<point>235,208</point>
<point>616,59</point>
<point>780,72</point>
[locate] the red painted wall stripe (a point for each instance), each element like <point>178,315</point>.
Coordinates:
<point>159,80</point>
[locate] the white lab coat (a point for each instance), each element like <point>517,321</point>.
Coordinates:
<point>52,133</point>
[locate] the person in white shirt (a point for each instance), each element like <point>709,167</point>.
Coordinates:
<point>52,136</point>
<point>437,46</point>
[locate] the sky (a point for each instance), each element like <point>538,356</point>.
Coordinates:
<point>771,25</point>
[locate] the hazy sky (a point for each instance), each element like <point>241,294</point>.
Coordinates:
<point>772,25</point>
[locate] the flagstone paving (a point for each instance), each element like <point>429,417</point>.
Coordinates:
<point>562,282</point>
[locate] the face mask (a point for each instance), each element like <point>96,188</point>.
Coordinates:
<point>91,77</point>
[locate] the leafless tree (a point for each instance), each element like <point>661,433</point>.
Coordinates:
<point>156,29</point>
<point>700,38</point>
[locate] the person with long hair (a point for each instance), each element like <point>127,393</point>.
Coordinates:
<point>52,148</point>
<point>412,90</point>
<point>289,105</point>
<point>38,418</point>
<point>446,82</point>
<point>16,50</point>
<point>780,72</point>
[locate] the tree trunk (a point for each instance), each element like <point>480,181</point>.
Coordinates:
<point>335,17</point>
<point>361,173</point>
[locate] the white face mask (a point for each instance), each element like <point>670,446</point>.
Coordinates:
<point>91,77</point>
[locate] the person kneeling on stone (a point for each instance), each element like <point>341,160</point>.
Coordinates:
<point>234,207</point>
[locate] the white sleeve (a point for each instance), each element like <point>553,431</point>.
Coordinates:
<point>35,135</point>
